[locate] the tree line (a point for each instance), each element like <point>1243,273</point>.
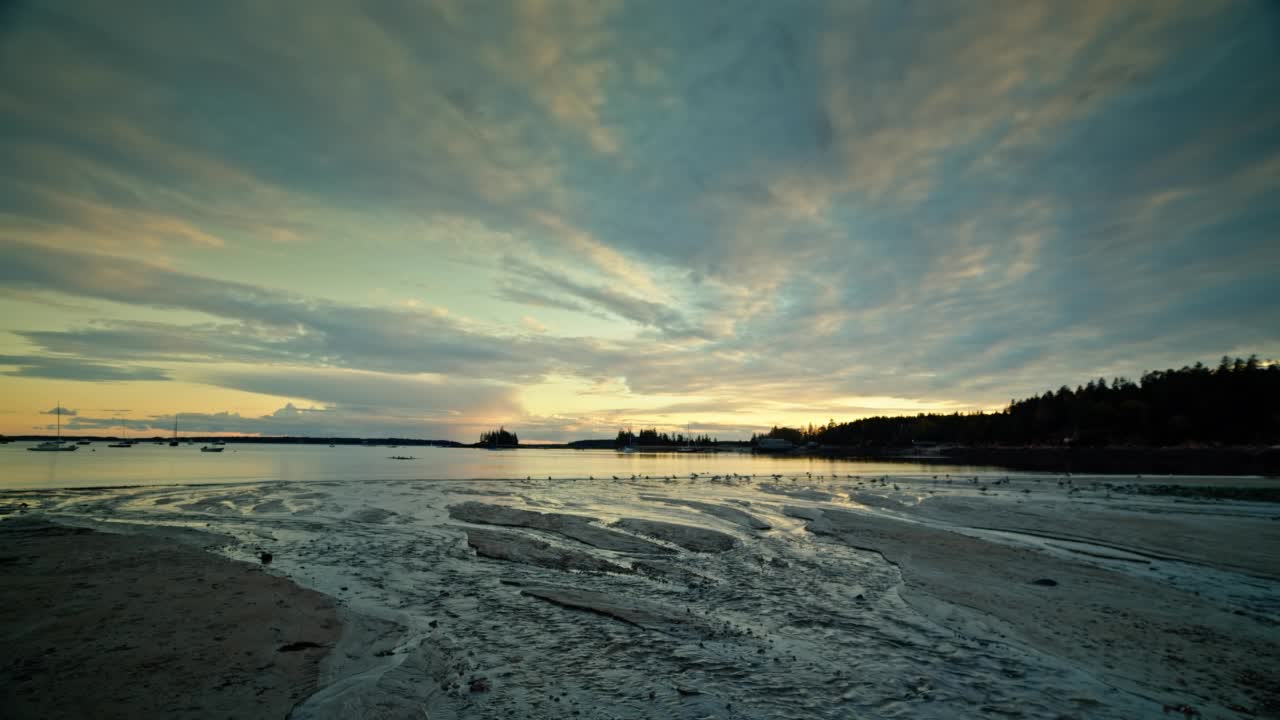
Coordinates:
<point>499,438</point>
<point>650,437</point>
<point>1236,403</point>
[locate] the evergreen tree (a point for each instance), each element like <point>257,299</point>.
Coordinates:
<point>1238,402</point>
<point>499,438</point>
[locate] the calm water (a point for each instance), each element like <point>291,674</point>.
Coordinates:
<point>97,464</point>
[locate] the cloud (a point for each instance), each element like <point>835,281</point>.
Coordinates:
<point>59,411</point>
<point>602,297</point>
<point>369,391</point>
<point>288,420</point>
<point>559,52</point>
<point>525,296</point>
<point>65,368</point>
<point>765,207</point>
<point>533,324</point>
<point>266,324</point>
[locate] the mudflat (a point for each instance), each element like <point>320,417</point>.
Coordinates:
<point>104,625</point>
<point>987,595</point>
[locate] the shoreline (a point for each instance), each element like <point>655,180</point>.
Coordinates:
<point>106,625</point>
<point>1119,460</point>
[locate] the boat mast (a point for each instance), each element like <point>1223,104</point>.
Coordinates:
<point>59,414</point>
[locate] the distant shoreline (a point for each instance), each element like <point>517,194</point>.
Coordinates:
<point>1191,460</point>
<point>1239,460</point>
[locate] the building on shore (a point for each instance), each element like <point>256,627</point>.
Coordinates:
<point>766,445</point>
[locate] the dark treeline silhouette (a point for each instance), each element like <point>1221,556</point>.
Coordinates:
<point>1236,403</point>
<point>650,437</point>
<point>499,438</point>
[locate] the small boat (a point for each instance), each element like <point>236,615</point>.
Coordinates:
<point>212,448</point>
<point>84,442</point>
<point>124,440</point>
<point>219,442</point>
<point>403,457</point>
<point>174,441</point>
<point>55,445</point>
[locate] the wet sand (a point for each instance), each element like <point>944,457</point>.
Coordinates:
<point>784,597</point>
<point>102,625</point>
<point>1140,634</point>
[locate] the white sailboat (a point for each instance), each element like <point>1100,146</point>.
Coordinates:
<point>55,445</point>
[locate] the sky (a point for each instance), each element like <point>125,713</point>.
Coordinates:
<point>430,218</point>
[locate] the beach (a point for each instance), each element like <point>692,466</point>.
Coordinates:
<point>721,596</point>
<point>108,625</point>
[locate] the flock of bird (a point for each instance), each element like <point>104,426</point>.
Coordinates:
<point>982,485</point>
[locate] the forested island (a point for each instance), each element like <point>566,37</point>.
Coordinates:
<point>499,438</point>
<point>651,438</point>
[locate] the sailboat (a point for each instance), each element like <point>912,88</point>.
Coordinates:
<point>55,445</point>
<point>688,440</point>
<point>124,441</point>
<point>630,447</point>
<point>174,441</point>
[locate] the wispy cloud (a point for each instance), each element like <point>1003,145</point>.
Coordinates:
<point>288,420</point>
<point>71,368</point>
<point>602,297</point>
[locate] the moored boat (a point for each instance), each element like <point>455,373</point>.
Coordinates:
<point>55,445</point>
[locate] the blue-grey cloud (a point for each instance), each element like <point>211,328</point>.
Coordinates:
<point>71,368</point>
<point>286,420</point>
<point>268,324</point>
<point>372,391</point>
<point>536,279</point>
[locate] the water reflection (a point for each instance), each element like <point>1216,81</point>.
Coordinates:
<point>98,465</point>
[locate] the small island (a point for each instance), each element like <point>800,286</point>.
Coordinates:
<point>499,438</point>
<point>650,438</point>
